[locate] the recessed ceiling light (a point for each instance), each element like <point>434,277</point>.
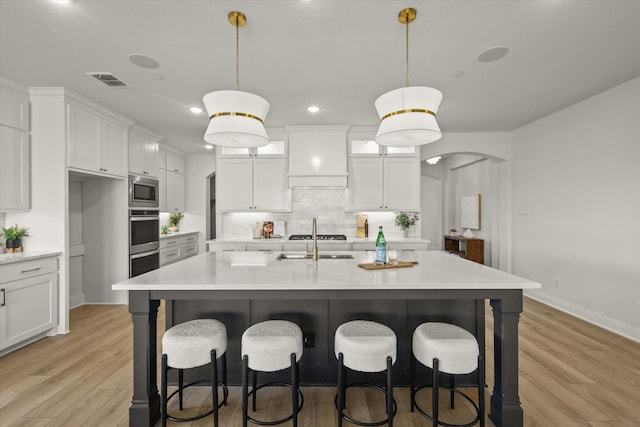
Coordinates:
<point>143,61</point>
<point>493,54</point>
<point>195,110</point>
<point>208,146</point>
<point>434,160</point>
<point>313,108</point>
<point>61,1</point>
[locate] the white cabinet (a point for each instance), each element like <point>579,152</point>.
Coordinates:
<point>174,192</point>
<point>28,300</point>
<point>175,248</point>
<point>15,188</point>
<point>171,182</point>
<point>14,105</point>
<point>94,143</point>
<point>253,184</point>
<point>383,183</point>
<point>143,153</point>
<point>369,148</point>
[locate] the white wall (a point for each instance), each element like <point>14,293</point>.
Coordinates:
<point>577,172</point>
<point>198,169</point>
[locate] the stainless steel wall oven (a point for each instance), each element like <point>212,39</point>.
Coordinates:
<point>144,241</point>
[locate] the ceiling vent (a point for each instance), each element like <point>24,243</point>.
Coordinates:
<point>108,79</point>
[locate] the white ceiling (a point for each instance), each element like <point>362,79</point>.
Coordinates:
<point>338,54</point>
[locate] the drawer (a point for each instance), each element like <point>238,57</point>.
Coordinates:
<point>169,255</point>
<point>169,242</point>
<point>188,250</point>
<point>190,239</point>
<point>29,268</point>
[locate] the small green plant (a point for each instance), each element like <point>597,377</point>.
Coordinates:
<point>175,218</point>
<point>406,220</point>
<point>14,233</point>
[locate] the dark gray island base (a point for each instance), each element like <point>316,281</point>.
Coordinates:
<point>320,296</point>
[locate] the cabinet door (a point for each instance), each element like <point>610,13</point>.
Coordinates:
<point>150,158</point>
<point>83,143</point>
<point>175,163</point>
<point>114,148</point>
<point>15,188</point>
<point>162,190</point>
<point>271,185</point>
<point>30,308</point>
<point>175,192</point>
<point>365,190</point>
<point>136,152</point>
<point>234,183</point>
<point>402,183</point>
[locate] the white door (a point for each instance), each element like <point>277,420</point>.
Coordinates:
<point>365,190</point>
<point>271,185</point>
<point>402,183</point>
<point>175,192</point>
<point>114,149</point>
<point>14,170</point>
<point>234,190</point>
<point>84,140</point>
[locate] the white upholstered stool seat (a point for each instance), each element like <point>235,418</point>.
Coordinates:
<point>365,346</point>
<point>456,349</point>
<point>270,346</point>
<point>450,349</point>
<point>188,345</point>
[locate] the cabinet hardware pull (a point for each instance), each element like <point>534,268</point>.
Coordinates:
<point>29,271</point>
<point>3,303</point>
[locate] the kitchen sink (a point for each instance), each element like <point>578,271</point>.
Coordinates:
<point>284,255</point>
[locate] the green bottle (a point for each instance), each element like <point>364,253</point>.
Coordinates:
<point>381,248</point>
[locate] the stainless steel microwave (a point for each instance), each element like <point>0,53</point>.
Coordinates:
<point>143,192</point>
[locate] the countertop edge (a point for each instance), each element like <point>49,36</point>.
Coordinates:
<point>10,258</point>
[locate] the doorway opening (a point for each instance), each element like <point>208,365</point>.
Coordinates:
<point>211,203</point>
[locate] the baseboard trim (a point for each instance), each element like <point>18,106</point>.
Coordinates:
<point>76,301</point>
<point>613,325</point>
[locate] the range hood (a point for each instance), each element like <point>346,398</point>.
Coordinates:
<point>317,156</point>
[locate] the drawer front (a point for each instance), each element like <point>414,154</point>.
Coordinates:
<point>29,268</point>
<point>168,256</point>
<point>169,243</point>
<point>193,238</point>
<point>188,250</point>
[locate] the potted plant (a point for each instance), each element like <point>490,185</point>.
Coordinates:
<point>13,236</point>
<point>406,220</point>
<point>174,219</point>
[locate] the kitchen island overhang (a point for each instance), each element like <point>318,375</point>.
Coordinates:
<point>437,276</point>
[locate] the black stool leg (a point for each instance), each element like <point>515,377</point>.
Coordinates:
<point>214,387</point>
<point>254,388</point>
<point>163,391</point>
<point>180,385</point>
<point>412,381</point>
<point>294,389</point>
<point>245,389</point>
<point>389,392</point>
<point>451,393</point>
<point>224,375</point>
<point>481,380</point>
<point>341,388</point>
<point>434,399</point>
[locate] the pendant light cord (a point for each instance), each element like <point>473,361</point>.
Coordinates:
<point>237,53</point>
<point>407,41</point>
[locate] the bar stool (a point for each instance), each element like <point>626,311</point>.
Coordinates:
<point>271,346</point>
<point>189,345</point>
<point>365,346</point>
<point>447,348</point>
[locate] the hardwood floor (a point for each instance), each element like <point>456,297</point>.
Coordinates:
<point>571,374</point>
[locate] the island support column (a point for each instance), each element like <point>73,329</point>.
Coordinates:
<point>505,410</point>
<point>145,404</point>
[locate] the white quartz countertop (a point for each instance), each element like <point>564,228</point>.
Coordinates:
<point>177,234</point>
<point>9,258</point>
<point>229,271</point>
<point>276,240</point>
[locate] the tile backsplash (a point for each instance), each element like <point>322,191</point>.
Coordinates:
<point>328,205</point>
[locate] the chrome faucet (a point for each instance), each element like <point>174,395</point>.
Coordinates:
<point>314,232</point>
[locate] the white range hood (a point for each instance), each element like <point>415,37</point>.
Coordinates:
<point>317,156</point>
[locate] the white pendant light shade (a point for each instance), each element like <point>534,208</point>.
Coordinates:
<point>236,119</point>
<point>408,116</point>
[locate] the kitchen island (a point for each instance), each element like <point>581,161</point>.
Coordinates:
<point>217,280</point>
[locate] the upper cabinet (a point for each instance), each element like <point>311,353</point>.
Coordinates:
<point>95,142</point>
<point>15,146</point>
<point>275,148</point>
<point>143,153</point>
<point>171,180</point>
<point>369,148</point>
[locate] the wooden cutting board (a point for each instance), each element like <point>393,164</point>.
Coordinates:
<point>400,264</point>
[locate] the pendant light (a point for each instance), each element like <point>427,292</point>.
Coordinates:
<point>408,115</point>
<point>236,118</point>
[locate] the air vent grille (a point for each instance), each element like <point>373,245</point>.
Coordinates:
<point>108,79</point>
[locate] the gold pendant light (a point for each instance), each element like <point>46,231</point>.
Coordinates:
<point>408,115</point>
<point>236,118</point>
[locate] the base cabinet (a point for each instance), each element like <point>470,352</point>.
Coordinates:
<point>175,248</point>
<point>28,300</point>
<point>471,249</point>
